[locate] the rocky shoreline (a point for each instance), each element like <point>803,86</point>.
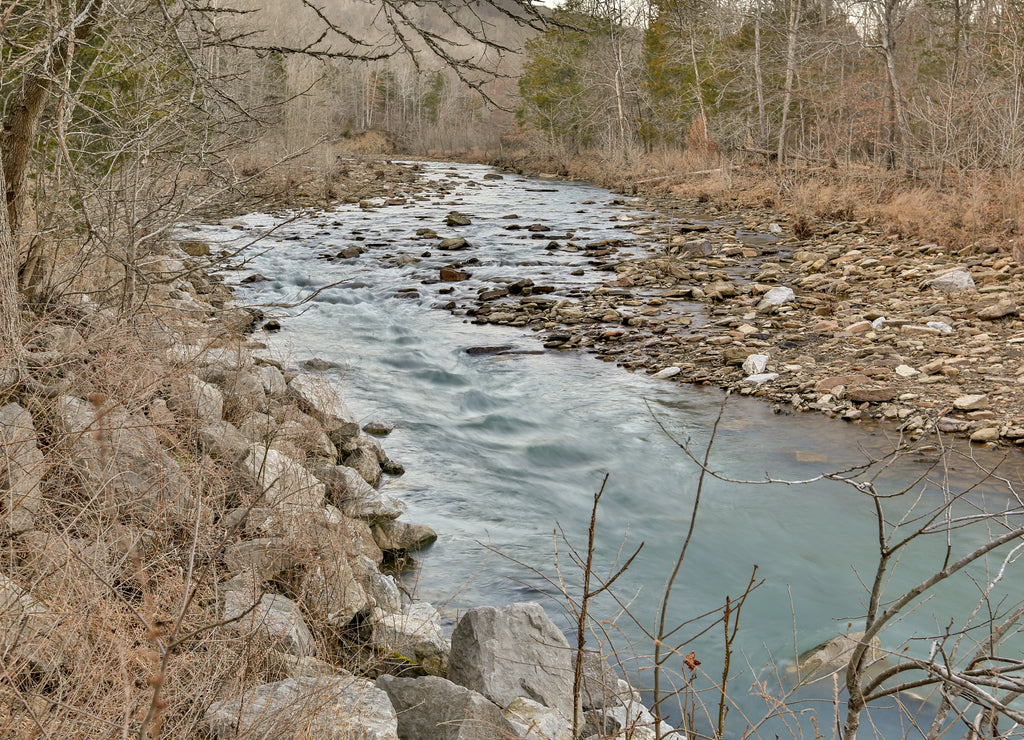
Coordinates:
<point>194,486</point>
<point>828,317</point>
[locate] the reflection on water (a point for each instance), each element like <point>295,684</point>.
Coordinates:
<point>501,449</point>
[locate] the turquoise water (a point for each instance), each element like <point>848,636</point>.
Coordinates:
<point>505,452</point>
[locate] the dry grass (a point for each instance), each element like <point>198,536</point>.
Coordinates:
<point>975,210</point>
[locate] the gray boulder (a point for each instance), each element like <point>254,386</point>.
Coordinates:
<point>402,536</point>
<point>197,398</point>
<point>534,721</point>
<point>952,281</point>
<point>321,400</point>
<point>222,440</point>
<point>285,483</point>
<point>325,708</point>
<point>365,462</point>
<point>512,651</point>
<point>414,632</point>
<point>433,708</point>
<point>347,490</point>
<point>119,459</point>
<point>274,616</point>
<point>632,721</point>
<point>21,468</point>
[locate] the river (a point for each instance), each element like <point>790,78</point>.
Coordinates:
<point>505,451</point>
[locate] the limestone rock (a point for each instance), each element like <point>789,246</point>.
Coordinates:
<point>321,400</point>
<point>776,297</point>
<point>414,632</point>
<point>755,364</point>
<point>972,402</point>
<point>275,616</point>
<point>285,483</point>
<point>402,536</point>
<point>512,651</point>
<point>952,281</point>
<point>326,708</point>
<point>534,721</point>
<point>119,459</point>
<point>222,440</point>
<point>364,461</point>
<point>999,310</point>
<point>197,398</point>
<point>21,468</point>
<point>347,490</point>
<point>261,559</point>
<point>433,708</point>
<point>273,380</point>
<point>632,720</point>
<point>668,372</point>
<point>833,655</point>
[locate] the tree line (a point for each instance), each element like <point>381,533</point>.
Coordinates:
<point>925,86</point>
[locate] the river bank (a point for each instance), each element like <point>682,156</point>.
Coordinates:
<point>836,317</point>
<point>203,523</point>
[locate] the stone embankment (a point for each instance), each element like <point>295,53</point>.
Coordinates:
<point>184,481</point>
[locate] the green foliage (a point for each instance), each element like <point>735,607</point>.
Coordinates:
<point>553,88</point>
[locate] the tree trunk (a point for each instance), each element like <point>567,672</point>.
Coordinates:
<point>10,302</point>
<point>762,115</point>
<point>21,127</point>
<point>794,21</point>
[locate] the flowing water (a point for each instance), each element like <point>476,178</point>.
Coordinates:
<point>505,451</point>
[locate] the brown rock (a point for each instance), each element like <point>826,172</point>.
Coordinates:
<point>452,275</point>
<point>827,384</point>
<point>871,395</point>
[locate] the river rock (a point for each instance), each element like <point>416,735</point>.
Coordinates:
<point>118,457</point>
<point>833,656</point>
<point>457,219</point>
<point>952,281</point>
<point>986,434</point>
<point>197,398</point>
<point>28,638</point>
<point>366,463</point>
<point>222,440</point>
<point>321,400</point>
<point>534,721</point>
<point>512,651</point>
<point>631,721</point>
<point>379,428</point>
<point>601,685</point>
<point>284,482</point>
<point>274,616</point>
<point>755,364</point>
<point>326,708</point>
<point>21,468</point>
<point>415,632</point>
<point>451,274</point>
<point>760,378</point>
<point>871,395</point>
<point>260,559</point>
<point>998,310</point>
<point>453,244</point>
<point>973,402</point>
<point>668,372</point>
<point>402,537</point>
<point>273,380</point>
<point>776,297</point>
<point>347,490</point>
<point>433,708</point>
<point>827,384</point>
